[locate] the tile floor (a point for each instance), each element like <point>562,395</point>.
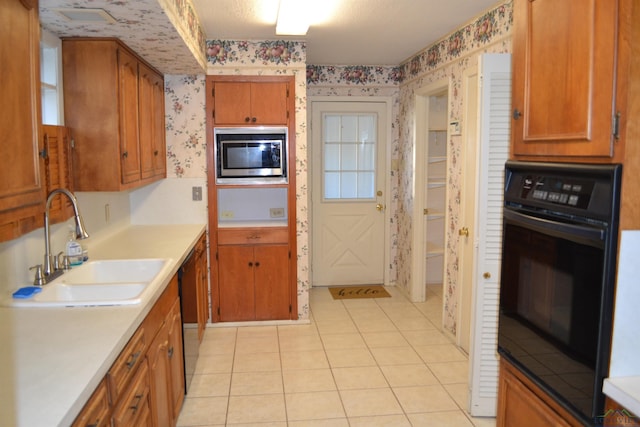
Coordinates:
<point>365,362</point>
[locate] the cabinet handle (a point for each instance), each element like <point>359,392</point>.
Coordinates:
<point>250,264</point>
<point>155,153</point>
<point>132,360</point>
<point>247,119</point>
<point>257,264</point>
<point>125,154</point>
<point>253,119</point>
<point>516,114</point>
<point>170,352</point>
<point>134,408</point>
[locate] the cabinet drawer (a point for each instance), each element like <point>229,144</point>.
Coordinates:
<point>252,236</point>
<point>135,401</point>
<point>125,366</point>
<point>96,411</point>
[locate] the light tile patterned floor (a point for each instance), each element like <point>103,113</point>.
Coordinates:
<point>366,362</point>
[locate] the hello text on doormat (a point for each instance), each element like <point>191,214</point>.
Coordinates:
<point>349,292</point>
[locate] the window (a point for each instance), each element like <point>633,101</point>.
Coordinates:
<point>51,79</point>
<point>349,156</point>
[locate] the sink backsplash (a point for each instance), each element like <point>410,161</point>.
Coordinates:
<point>16,256</point>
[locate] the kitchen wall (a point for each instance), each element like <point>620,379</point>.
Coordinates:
<point>445,59</point>
<point>367,81</point>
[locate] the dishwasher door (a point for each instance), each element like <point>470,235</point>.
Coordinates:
<point>190,342</point>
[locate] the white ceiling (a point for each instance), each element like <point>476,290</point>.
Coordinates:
<point>360,32</point>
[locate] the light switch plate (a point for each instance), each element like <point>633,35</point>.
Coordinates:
<point>196,194</point>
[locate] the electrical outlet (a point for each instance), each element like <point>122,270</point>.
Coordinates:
<point>276,212</point>
<point>196,194</point>
<point>227,214</point>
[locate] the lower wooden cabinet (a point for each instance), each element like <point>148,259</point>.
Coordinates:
<point>253,282</point>
<point>97,411</point>
<point>145,385</point>
<point>521,403</point>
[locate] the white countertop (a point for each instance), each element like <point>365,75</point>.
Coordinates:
<point>625,391</point>
<point>51,359</point>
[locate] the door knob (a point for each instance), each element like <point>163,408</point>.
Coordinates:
<point>380,207</point>
<point>487,275</point>
<point>464,231</point>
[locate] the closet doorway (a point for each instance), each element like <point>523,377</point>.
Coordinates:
<point>430,188</point>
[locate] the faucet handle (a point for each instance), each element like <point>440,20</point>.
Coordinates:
<point>62,262</point>
<point>39,279</point>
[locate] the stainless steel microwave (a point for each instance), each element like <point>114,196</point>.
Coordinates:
<point>251,155</point>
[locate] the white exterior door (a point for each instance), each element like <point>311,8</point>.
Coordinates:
<point>494,132</point>
<point>348,201</point>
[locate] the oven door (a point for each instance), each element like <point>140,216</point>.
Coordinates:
<point>551,306</point>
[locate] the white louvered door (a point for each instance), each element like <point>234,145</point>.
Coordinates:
<point>494,132</point>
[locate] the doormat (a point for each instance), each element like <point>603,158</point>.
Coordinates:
<point>351,292</point>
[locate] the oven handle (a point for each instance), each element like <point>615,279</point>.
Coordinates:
<point>546,225</point>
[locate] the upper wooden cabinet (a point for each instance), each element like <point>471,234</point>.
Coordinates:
<point>249,103</point>
<point>114,106</point>
<point>565,64</point>
<point>22,186</point>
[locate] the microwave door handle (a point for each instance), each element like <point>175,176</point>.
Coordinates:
<point>545,226</point>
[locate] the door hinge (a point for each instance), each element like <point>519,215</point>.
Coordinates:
<point>290,308</point>
<point>616,125</point>
<point>216,255</point>
<point>213,92</point>
<point>289,253</point>
<point>287,92</point>
<point>218,311</point>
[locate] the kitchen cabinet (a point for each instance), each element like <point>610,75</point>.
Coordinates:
<point>253,269</point>
<point>253,277</point>
<point>195,289</point>
<point>114,106</point>
<point>145,385</point>
<point>240,102</point>
<point>522,403</point>
<point>22,186</point>
<point>565,64</point>
<point>96,412</point>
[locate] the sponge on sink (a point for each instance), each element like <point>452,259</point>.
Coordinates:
<point>26,292</point>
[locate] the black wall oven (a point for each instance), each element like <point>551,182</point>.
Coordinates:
<point>558,277</point>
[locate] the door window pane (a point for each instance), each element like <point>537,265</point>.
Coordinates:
<point>349,154</point>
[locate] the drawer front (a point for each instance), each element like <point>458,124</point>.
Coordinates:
<point>134,403</point>
<point>252,236</point>
<point>125,366</point>
<point>96,411</point>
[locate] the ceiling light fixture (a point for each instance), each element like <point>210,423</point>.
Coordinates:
<point>293,18</point>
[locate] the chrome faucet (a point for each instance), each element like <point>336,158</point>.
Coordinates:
<point>81,233</point>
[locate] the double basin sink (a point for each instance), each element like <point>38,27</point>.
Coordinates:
<point>98,283</point>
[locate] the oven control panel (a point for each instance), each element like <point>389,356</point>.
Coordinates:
<point>583,190</point>
<point>565,191</point>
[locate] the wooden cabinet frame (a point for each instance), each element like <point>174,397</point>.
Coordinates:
<point>213,187</point>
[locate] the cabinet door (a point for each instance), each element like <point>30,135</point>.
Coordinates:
<point>269,103</point>
<point>159,377</point>
<point>246,103</point>
<point>232,103</point>
<point>146,121</point>
<point>21,185</point>
<point>236,283</point>
<point>175,360</point>
<point>133,407</point>
<point>272,282</point>
<point>158,145</point>
<point>128,91</point>
<point>96,411</point>
<point>564,55</point>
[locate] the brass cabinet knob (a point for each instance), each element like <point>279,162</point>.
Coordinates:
<point>464,231</point>
<point>487,275</point>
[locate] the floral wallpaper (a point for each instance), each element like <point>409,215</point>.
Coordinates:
<point>446,59</point>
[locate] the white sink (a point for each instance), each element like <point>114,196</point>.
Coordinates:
<point>105,282</point>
